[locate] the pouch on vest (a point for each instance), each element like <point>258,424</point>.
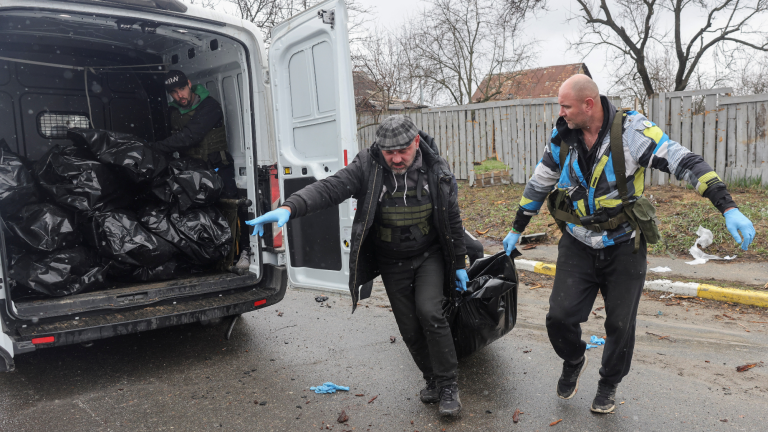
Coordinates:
<point>645,216</point>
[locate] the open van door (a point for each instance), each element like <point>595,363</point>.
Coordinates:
<point>314,110</point>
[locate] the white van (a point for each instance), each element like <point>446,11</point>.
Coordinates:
<point>290,121</point>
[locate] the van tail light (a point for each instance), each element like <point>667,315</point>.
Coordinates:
<point>43,340</point>
<point>257,303</point>
<point>274,192</point>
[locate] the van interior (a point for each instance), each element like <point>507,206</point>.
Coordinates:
<point>41,95</point>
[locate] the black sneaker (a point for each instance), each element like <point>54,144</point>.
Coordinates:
<point>450,404</point>
<point>430,393</point>
<point>605,400</point>
<point>568,383</point>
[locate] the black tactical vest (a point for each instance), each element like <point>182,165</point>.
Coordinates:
<point>214,141</point>
<point>403,221</point>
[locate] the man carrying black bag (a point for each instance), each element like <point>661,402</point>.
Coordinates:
<point>408,229</point>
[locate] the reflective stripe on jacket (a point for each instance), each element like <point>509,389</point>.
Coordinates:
<point>645,146</point>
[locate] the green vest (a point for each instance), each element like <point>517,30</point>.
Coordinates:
<point>404,224</point>
<point>214,141</point>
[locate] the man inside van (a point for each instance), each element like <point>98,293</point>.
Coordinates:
<point>408,229</point>
<point>197,127</point>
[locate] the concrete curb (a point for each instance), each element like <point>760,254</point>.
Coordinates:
<point>705,291</point>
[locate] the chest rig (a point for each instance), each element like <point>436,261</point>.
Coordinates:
<point>404,218</point>
<point>215,141</point>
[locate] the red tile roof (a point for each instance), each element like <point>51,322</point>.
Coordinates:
<point>530,83</point>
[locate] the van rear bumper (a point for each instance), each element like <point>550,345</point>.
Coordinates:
<point>269,291</point>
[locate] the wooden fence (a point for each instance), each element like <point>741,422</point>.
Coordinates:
<point>729,132</point>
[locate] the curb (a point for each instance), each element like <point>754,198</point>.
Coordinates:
<point>693,289</point>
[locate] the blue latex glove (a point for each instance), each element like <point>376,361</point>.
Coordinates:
<point>280,216</point>
<point>596,340</point>
<point>735,222</point>
<point>591,346</point>
<point>510,241</point>
<point>328,387</point>
<point>461,280</point>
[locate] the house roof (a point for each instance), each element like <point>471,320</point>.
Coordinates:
<point>369,98</point>
<point>530,83</point>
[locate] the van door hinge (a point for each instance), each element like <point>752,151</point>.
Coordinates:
<point>328,17</point>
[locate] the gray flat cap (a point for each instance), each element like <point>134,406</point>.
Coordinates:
<point>396,133</point>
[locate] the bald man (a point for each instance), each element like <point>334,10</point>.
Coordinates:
<point>597,201</point>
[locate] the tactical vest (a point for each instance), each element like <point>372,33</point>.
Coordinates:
<point>403,221</point>
<point>593,207</point>
<point>214,141</point>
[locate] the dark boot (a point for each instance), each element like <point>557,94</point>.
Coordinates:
<point>605,400</point>
<point>450,404</point>
<point>568,383</point>
<point>430,393</point>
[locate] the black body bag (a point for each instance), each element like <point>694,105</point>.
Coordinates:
<point>487,310</point>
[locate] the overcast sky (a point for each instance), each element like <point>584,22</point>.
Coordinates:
<point>550,28</point>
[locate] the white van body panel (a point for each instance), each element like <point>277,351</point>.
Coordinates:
<point>314,112</point>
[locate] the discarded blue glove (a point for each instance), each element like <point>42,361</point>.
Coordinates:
<point>596,340</point>
<point>461,280</point>
<point>591,346</point>
<point>280,216</point>
<point>510,241</point>
<point>735,222</point>
<point>328,387</point>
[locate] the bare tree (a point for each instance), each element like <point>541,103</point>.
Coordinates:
<point>266,14</point>
<point>641,32</point>
<point>455,44</point>
<point>208,4</point>
<point>384,75</point>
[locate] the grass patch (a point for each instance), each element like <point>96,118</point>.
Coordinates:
<point>680,212</point>
<point>489,165</point>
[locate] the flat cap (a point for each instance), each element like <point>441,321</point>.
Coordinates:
<point>396,132</point>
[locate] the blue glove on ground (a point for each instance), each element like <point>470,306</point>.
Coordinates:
<point>596,340</point>
<point>461,280</point>
<point>510,241</point>
<point>280,216</point>
<point>735,222</point>
<point>328,387</point>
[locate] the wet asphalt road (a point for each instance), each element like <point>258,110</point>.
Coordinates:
<point>191,379</point>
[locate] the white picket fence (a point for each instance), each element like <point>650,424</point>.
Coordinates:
<point>729,132</point>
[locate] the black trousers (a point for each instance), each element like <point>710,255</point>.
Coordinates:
<point>415,290</point>
<point>581,272</point>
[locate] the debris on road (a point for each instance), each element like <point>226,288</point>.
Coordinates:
<point>660,336</point>
<point>359,395</point>
<point>343,417</point>
<point>482,232</point>
<point>392,339</point>
<point>321,298</point>
<point>538,285</point>
<point>279,314</point>
<point>529,246</point>
<point>660,269</point>
<point>705,239</point>
<point>526,351</point>
<point>373,399</point>
<point>516,416</point>
<point>328,387</point>
<point>746,367</point>
<point>555,422</point>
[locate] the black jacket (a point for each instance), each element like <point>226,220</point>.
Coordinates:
<point>208,115</point>
<point>363,179</point>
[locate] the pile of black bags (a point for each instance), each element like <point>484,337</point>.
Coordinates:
<point>107,209</point>
<point>487,310</point>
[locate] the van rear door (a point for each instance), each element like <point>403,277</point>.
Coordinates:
<point>314,111</point>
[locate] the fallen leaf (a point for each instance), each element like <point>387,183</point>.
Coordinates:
<point>499,202</point>
<point>746,367</point>
<point>373,399</point>
<point>745,328</point>
<point>555,422</point>
<point>359,395</point>
<point>759,322</point>
<point>729,317</point>
<point>594,313</point>
<point>622,403</point>
<point>538,285</point>
<point>600,308</point>
<point>724,420</point>
<point>392,339</point>
<point>280,314</point>
<point>516,416</point>
<point>529,246</point>
<point>343,417</point>
<point>482,232</point>
<point>526,351</point>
